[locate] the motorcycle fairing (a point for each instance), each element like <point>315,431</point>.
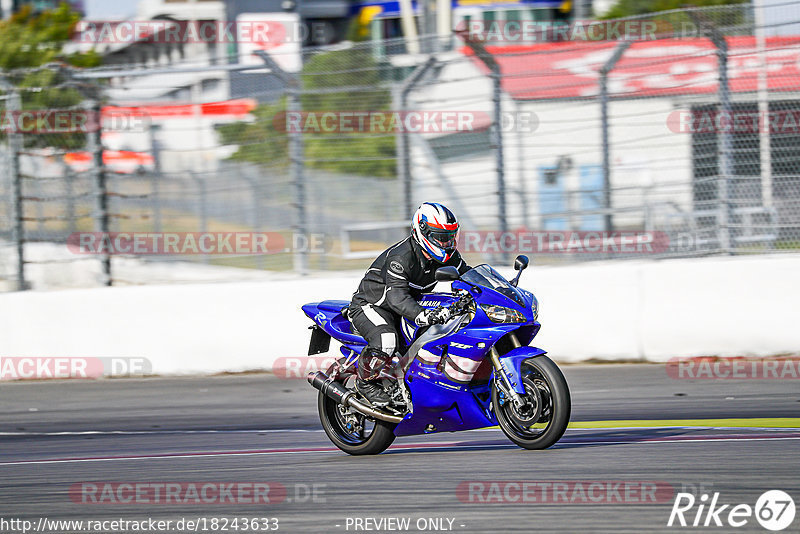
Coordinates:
<point>447,408</point>
<point>328,316</point>
<point>439,400</point>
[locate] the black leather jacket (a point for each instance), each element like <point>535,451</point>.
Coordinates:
<point>398,277</point>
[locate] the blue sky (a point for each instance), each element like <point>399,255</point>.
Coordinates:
<point>109,9</point>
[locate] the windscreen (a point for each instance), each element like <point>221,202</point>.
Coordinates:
<point>485,276</point>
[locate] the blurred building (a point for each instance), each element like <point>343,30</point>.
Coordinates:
<point>12,6</point>
<point>173,80</point>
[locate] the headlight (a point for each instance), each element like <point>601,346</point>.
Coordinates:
<point>500,314</point>
<point>535,308</point>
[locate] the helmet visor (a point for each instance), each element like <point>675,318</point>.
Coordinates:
<point>445,239</point>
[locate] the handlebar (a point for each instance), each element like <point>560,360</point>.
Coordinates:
<point>462,305</point>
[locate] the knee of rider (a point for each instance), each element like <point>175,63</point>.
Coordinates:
<point>388,343</point>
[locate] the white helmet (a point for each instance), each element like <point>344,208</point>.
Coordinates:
<point>435,228</point>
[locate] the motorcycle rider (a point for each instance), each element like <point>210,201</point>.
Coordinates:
<point>390,289</point>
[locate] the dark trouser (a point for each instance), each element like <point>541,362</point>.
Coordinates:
<point>378,327</point>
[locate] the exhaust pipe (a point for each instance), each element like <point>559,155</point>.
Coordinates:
<point>342,395</point>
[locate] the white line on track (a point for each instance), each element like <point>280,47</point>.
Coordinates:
<point>155,432</point>
<point>78,433</point>
<point>411,446</point>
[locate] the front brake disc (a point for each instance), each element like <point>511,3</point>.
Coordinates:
<point>529,413</point>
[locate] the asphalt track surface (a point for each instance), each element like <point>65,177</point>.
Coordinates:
<point>259,428</point>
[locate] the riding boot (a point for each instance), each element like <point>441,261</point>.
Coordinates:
<point>370,363</point>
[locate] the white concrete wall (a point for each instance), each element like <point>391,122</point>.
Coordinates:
<point>636,309</point>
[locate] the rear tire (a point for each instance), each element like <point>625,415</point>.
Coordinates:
<point>375,437</point>
<point>544,418</point>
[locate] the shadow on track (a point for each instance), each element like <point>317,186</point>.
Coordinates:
<point>600,438</point>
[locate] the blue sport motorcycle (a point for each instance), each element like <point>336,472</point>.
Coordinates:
<point>474,371</point>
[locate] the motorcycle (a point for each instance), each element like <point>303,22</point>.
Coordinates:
<point>474,371</point>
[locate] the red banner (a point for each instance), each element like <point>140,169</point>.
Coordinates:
<point>647,68</point>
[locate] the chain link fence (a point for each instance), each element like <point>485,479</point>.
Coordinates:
<point>666,135</point>
<point>683,129</point>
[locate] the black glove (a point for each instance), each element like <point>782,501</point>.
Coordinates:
<point>462,304</point>
<point>435,316</point>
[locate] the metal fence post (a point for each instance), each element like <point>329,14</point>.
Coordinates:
<point>604,71</point>
<point>14,146</point>
<point>202,205</point>
<point>296,160</point>
<point>403,145</point>
<point>764,141</point>
<point>523,189</point>
<point>709,30</point>
<point>69,179</point>
<point>298,175</point>
<point>725,151</point>
<point>256,190</point>
<point>155,176</point>
<point>95,146</point>
<point>497,122</point>
<point>497,130</point>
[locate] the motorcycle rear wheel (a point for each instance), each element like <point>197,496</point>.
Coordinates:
<point>373,437</point>
<point>543,419</point>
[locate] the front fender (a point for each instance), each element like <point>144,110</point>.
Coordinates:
<point>512,364</point>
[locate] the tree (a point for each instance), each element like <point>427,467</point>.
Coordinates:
<point>262,141</point>
<point>629,8</point>
<point>358,77</point>
<point>338,80</point>
<point>29,39</point>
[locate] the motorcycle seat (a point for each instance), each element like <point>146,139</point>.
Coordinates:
<point>341,327</point>
<point>346,314</point>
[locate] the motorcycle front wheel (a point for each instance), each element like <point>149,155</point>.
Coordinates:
<point>352,432</point>
<point>542,419</point>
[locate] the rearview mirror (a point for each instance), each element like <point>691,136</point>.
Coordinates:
<point>446,274</point>
<point>520,263</point>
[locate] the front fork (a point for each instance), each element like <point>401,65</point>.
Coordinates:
<point>504,383</point>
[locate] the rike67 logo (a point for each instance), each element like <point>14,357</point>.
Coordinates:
<point>774,510</point>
